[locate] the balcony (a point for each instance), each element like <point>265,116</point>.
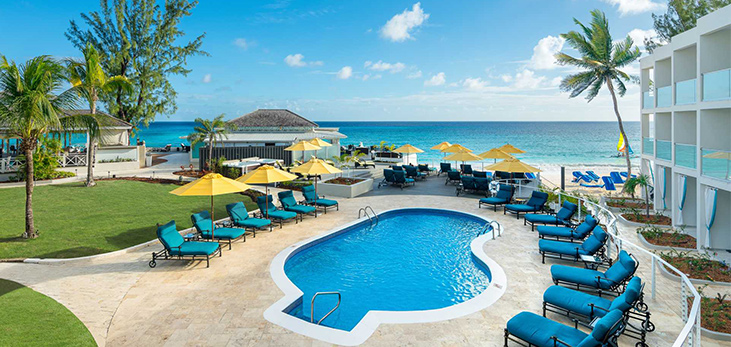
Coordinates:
<point>685,155</point>
<point>648,146</point>
<point>648,101</point>
<point>717,85</point>
<point>685,92</point>
<point>664,150</point>
<point>716,163</point>
<point>665,96</point>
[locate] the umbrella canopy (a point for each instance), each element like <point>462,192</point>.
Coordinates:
<point>508,148</point>
<point>463,156</point>
<point>495,153</point>
<point>456,148</point>
<point>512,165</point>
<point>442,146</point>
<point>320,142</point>
<point>264,175</point>
<point>316,167</point>
<point>408,149</point>
<point>209,185</point>
<point>303,146</point>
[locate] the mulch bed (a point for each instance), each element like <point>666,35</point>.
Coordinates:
<point>629,203</point>
<point>654,219</point>
<point>670,239</point>
<point>699,268</point>
<point>347,181</point>
<point>145,179</point>
<point>190,173</point>
<point>716,316</point>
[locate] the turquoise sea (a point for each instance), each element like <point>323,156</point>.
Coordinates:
<point>545,142</point>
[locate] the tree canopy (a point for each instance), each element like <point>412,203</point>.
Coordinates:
<point>681,16</point>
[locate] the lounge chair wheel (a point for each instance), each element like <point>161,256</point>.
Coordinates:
<point>642,307</point>
<point>641,344</point>
<point>648,326</point>
<point>152,263</point>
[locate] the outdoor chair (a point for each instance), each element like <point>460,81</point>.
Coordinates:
<point>289,203</point>
<point>616,177</point>
<point>613,280</point>
<point>504,196</point>
<point>579,176</point>
<point>444,168</point>
<point>387,178</point>
<point>364,164</point>
<point>176,248</point>
<point>311,198</point>
<point>562,217</point>
<point>400,179</point>
<point>593,175</point>
<point>467,184</point>
<point>535,204</point>
<point>482,174</point>
<point>570,234</point>
<point>453,177</point>
<point>593,245</point>
<point>425,169</point>
<point>482,184</point>
<point>413,172</point>
<point>239,216</point>
<point>466,169</point>
<point>540,331</point>
<point>269,211</point>
<point>202,223</point>
<point>397,168</point>
<point>608,183</point>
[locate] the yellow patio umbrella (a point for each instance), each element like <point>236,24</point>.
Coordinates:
<point>209,185</point>
<point>508,148</point>
<point>495,153</point>
<point>408,149</point>
<point>442,146</point>
<point>320,142</point>
<point>463,156</point>
<point>456,148</point>
<point>512,165</point>
<point>302,146</point>
<point>264,175</point>
<point>316,167</point>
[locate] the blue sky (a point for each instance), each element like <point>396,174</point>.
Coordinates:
<point>367,60</point>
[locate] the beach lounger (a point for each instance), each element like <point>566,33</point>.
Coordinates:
<point>289,203</point>
<point>175,246</point>
<point>539,331</point>
<point>530,175</point>
<point>400,179</point>
<point>616,177</point>
<point>504,196</point>
<point>444,168</point>
<point>608,183</point>
<point>453,177</point>
<point>579,176</point>
<point>466,169</point>
<point>269,211</point>
<point>587,307</point>
<point>397,168</point>
<point>562,217</point>
<point>240,217</point>
<point>202,223</point>
<point>593,245</point>
<point>624,174</point>
<point>481,174</point>
<point>482,184</point>
<point>387,178</point>
<point>570,234</point>
<point>426,169</point>
<point>413,172</point>
<point>364,163</point>
<point>613,280</point>
<point>311,198</point>
<point>535,204</point>
<point>593,175</point>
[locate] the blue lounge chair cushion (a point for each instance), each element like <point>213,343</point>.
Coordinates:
<point>176,245</point>
<point>604,327</point>
<point>560,247</point>
<point>543,219</point>
<point>270,211</point>
<point>290,204</point>
<point>301,209</point>
<point>494,200</point>
<point>626,300</point>
<point>169,235</point>
<point>571,274</point>
<point>522,208</point>
<point>616,177</point>
<point>224,233</point>
<point>240,217</point>
<point>534,204</point>
<point>580,232</point>
<point>201,221</point>
<point>283,215</point>
<point>621,270</point>
<point>311,197</point>
<point>255,223</point>
<point>195,248</point>
<point>608,184</point>
<point>595,241</point>
<point>325,202</point>
<point>538,330</point>
<point>576,301</point>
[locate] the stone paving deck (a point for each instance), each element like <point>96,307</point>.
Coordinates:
<point>124,302</point>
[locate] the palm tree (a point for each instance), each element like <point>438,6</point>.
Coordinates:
<point>642,181</point>
<point>601,60</point>
<point>30,110</point>
<point>212,131</point>
<point>89,80</point>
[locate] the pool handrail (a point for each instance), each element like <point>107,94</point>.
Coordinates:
<point>312,306</point>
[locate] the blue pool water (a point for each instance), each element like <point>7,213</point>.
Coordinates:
<point>412,260</point>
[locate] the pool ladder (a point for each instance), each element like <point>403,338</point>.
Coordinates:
<point>371,218</point>
<point>312,306</point>
<point>491,226</point>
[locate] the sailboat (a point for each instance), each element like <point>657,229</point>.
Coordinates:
<point>623,145</point>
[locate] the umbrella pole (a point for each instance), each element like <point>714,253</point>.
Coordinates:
<point>213,225</point>
<point>266,199</point>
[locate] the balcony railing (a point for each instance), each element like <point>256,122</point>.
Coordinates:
<point>648,145</point>
<point>685,92</point>
<point>665,96</point>
<point>716,163</point>
<point>685,155</point>
<point>648,101</point>
<point>717,85</point>
<point>13,164</point>
<point>664,150</point>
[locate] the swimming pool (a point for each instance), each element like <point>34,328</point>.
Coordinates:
<point>415,265</point>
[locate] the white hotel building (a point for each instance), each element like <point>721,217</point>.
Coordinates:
<point>686,130</point>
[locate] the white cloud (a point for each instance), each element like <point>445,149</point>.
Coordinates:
<point>383,66</point>
<point>544,51</point>
<point>436,80</point>
<point>414,75</point>
<point>639,35</point>
<point>206,78</point>
<point>556,81</point>
<point>475,83</point>
<point>506,78</point>
<point>345,73</point>
<point>298,60</point>
<point>399,28</point>
<point>527,79</point>
<point>243,43</point>
<point>629,7</point>
<point>367,77</point>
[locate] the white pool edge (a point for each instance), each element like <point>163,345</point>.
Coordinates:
<point>370,322</point>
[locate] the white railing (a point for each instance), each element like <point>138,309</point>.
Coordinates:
<point>691,332</point>
<point>10,164</point>
<point>66,160</point>
<point>13,164</point>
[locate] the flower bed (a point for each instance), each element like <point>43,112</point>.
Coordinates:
<point>699,266</point>
<point>190,173</point>
<point>653,219</point>
<point>673,238</point>
<point>294,185</point>
<point>345,181</point>
<point>716,314</point>
<point>627,203</point>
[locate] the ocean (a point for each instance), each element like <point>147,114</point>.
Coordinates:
<point>570,143</point>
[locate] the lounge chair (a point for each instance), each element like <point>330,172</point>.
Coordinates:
<point>613,280</point>
<point>625,174</point>
<point>271,212</point>
<point>397,168</point>
<point>482,184</point>
<point>311,198</point>
<point>400,179</point>
<point>504,196</point>
<point>535,204</point>
<point>466,169</point>
<point>425,169</point>
<point>467,184</point>
<point>616,177</point>
<point>482,174</point>
<point>202,223</point>
<point>289,203</point>
<point>593,175</point>
<point>587,307</point>
<point>364,163</point>
<point>240,217</point>
<point>562,217</point>
<point>413,172</point>
<point>175,247</point>
<point>530,175</point>
<point>608,183</point>
<point>387,178</point>
<point>578,177</point>
<point>444,168</point>
<point>569,234</point>
<point>453,177</point>
<point>540,331</point>
<point>593,245</point>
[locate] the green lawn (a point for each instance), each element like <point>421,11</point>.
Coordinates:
<point>76,221</point>
<point>30,318</point>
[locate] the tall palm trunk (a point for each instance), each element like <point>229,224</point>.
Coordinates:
<point>30,228</point>
<point>621,127</point>
<point>210,154</point>
<point>90,151</point>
